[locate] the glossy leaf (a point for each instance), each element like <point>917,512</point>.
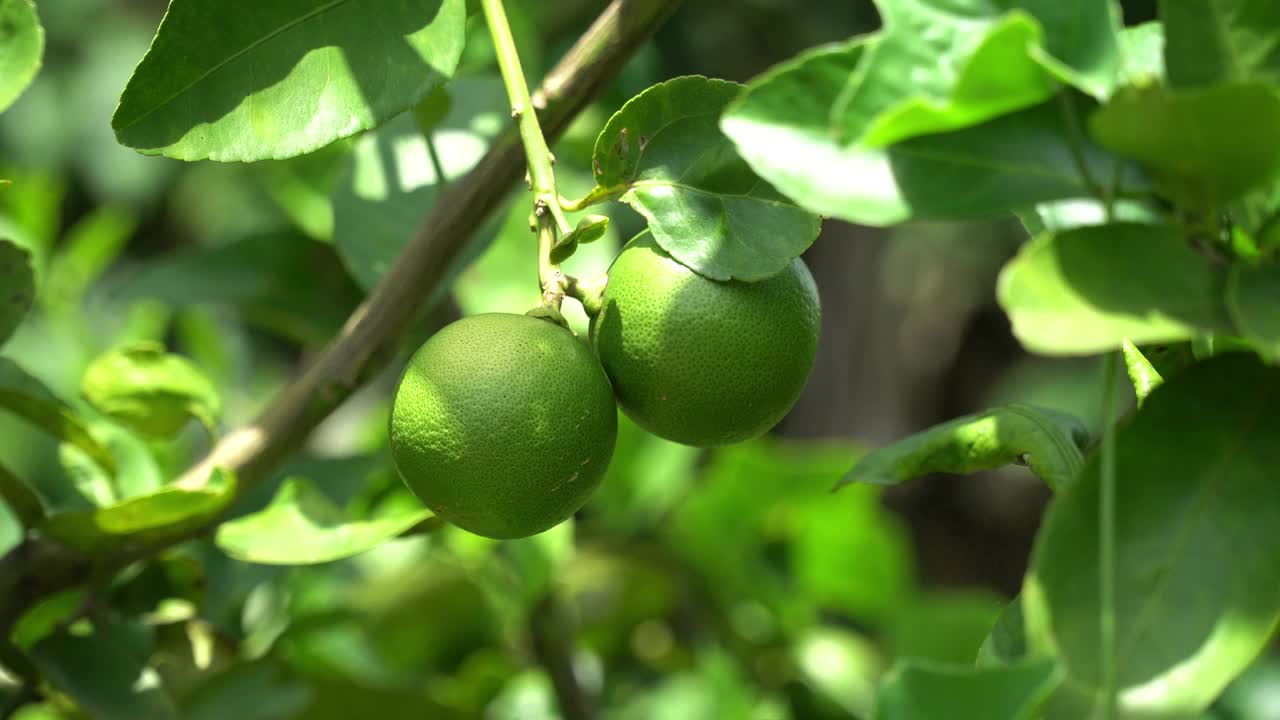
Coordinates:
<point>1215,41</point>
<point>18,283</point>
<point>21,48</point>
<point>392,182</point>
<point>1047,441</point>
<point>1142,373</point>
<point>1202,147</point>
<point>921,691</point>
<point>1253,297</point>
<point>703,203</point>
<point>588,230</point>
<point>26,397</point>
<point>1197,574</point>
<point>780,125</point>
<point>1089,289</point>
<point>244,80</point>
<point>151,391</point>
<point>165,515</point>
<point>301,527</point>
<point>26,505</point>
<point>105,671</point>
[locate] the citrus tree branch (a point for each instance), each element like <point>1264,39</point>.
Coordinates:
<point>38,567</point>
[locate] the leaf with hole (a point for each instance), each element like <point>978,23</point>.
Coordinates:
<point>150,391</point>
<point>242,80</point>
<point>1047,441</point>
<point>665,152</point>
<point>302,527</point>
<point>1089,289</point>
<point>781,126</point>
<point>1197,571</point>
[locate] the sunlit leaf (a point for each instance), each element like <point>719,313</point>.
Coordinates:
<point>1047,441</point>
<point>1142,373</point>
<point>1197,575</point>
<point>21,48</point>
<point>151,391</point>
<point>245,80</point>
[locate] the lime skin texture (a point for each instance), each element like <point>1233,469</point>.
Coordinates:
<point>699,361</point>
<point>503,424</point>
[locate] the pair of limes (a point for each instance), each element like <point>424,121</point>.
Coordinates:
<point>504,424</point>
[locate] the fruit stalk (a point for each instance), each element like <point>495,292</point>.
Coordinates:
<point>542,179</point>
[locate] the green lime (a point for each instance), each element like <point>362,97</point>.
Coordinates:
<point>703,362</point>
<point>503,424</point>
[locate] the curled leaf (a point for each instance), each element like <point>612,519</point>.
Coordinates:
<point>588,230</point>
<point>150,391</point>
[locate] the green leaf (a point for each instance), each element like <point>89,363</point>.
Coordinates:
<point>588,230</point>
<point>18,280</point>
<point>1142,373</point>
<point>1215,41</point>
<point>1067,214</point>
<point>1197,571</point>
<point>780,125</point>
<point>26,397</point>
<point>1142,53</point>
<point>26,505</point>
<point>926,691</point>
<point>1253,298</point>
<point>1047,441</point>
<point>137,472</point>
<point>106,671</point>
<point>1007,641</point>
<point>87,251</point>
<point>21,48</point>
<point>703,203</point>
<point>165,515</point>
<point>301,526</point>
<point>391,183</point>
<point>303,187</point>
<point>244,80</point>
<point>1203,147</point>
<point>150,391</point>
<point>1089,289</point>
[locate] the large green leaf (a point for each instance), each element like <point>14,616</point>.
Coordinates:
<point>392,181</point>
<point>165,515</point>
<point>925,691</point>
<point>1203,147</point>
<point>17,287</point>
<point>26,397</point>
<point>151,391</point>
<point>248,80</point>
<point>1253,297</point>
<point>781,127</point>
<point>21,48</point>
<point>1197,568</point>
<point>1213,41</point>
<point>703,203</point>
<point>301,526</point>
<point>105,671</point>
<point>1047,441</point>
<point>1089,289</point>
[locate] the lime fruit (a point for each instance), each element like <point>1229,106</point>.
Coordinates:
<point>703,362</point>
<point>503,424</point>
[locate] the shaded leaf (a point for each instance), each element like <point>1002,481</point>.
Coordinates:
<point>391,181</point>
<point>106,671</point>
<point>26,505</point>
<point>1007,641</point>
<point>780,126</point>
<point>303,187</point>
<point>923,691</point>
<point>1202,147</point>
<point>247,691</point>
<point>1215,41</point>
<point>1197,573</point>
<point>26,397</point>
<point>301,526</point>
<point>1253,298</point>
<point>165,515</point>
<point>21,48</point>
<point>1047,441</point>
<point>1142,373</point>
<point>244,80</point>
<point>151,391</point>
<point>17,287</point>
<point>1089,289</point>
<point>703,203</point>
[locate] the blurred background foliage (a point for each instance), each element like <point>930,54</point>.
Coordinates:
<point>726,584</point>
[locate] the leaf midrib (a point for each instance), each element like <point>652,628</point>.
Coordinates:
<point>233,57</point>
